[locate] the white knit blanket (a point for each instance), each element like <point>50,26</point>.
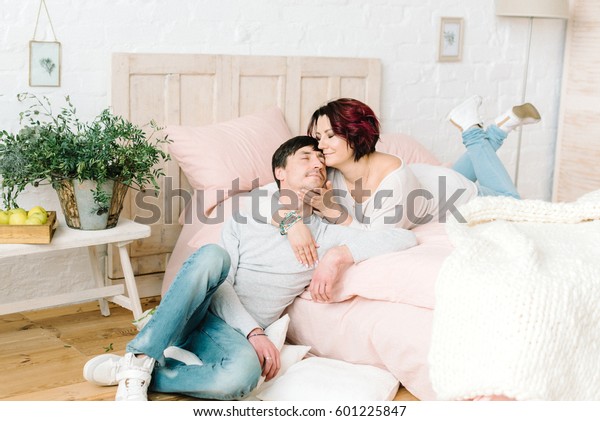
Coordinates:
<point>518,303</point>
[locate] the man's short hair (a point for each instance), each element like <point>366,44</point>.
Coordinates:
<point>289,148</point>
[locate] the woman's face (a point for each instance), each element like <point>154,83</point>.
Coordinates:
<point>335,148</point>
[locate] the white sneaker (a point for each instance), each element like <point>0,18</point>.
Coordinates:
<point>134,376</point>
<point>130,373</point>
<point>102,370</point>
<point>518,116</point>
<point>466,115</point>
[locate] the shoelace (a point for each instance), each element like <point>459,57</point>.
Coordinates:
<point>135,386</point>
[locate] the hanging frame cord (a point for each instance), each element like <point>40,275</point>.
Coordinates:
<point>37,21</point>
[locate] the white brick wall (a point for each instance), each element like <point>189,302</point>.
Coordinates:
<point>417,90</point>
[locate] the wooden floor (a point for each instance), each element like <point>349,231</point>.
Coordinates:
<point>42,353</point>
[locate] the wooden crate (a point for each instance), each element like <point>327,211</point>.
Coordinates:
<point>29,234</point>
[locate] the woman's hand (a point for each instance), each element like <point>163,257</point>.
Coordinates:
<point>267,353</point>
<point>321,199</point>
<point>316,197</point>
<point>303,244</point>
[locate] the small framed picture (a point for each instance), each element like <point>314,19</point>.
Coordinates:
<point>451,39</point>
<point>44,63</point>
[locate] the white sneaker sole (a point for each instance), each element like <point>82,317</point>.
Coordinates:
<point>527,112</point>
<point>90,367</point>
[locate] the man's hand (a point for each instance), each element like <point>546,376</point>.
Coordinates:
<point>328,273</point>
<point>267,353</point>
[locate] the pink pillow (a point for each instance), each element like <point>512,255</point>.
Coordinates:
<point>406,148</point>
<point>406,276</point>
<point>212,157</point>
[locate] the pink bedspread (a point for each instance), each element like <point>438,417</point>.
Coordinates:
<point>384,313</point>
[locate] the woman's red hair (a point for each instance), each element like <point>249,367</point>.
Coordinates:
<point>353,120</point>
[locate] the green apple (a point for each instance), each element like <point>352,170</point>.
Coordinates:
<point>40,212</point>
<point>17,210</point>
<point>41,216</point>
<point>33,220</point>
<point>17,218</point>
<point>3,218</point>
<point>37,209</point>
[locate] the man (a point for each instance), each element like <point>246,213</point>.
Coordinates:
<point>223,297</point>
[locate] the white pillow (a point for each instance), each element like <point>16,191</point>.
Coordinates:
<point>290,355</point>
<point>324,379</point>
<point>276,332</point>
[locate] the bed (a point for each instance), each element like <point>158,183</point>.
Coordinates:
<point>225,116</point>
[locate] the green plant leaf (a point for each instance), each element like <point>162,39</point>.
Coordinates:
<point>56,147</point>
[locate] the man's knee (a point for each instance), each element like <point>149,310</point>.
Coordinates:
<point>215,253</point>
<point>213,259</point>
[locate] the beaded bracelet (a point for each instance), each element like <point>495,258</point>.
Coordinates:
<point>288,222</point>
<point>257,334</point>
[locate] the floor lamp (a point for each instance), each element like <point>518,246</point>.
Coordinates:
<point>557,9</point>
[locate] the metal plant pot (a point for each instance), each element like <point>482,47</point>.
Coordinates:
<point>80,210</point>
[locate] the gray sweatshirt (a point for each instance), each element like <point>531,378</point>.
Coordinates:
<point>265,275</point>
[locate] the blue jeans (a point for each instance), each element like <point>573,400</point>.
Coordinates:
<point>480,162</point>
<point>230,367</point>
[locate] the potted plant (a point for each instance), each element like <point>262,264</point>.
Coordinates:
<point>90,165</point>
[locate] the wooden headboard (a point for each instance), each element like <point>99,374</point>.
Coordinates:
<point>197,89</point>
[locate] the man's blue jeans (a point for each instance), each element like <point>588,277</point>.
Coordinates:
<point>230,367</point>
<point>480,162</point>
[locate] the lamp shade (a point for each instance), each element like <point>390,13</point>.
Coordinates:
<point>533,8</point>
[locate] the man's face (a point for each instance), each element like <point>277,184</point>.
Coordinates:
<point>304,169</point>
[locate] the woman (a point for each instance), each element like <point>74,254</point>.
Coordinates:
<point>374,190</point>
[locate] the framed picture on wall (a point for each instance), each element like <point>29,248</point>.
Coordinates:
<point>44,63</point>
<point>451,39</point>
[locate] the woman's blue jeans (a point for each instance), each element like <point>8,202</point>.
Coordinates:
<point>480,162</point>
<point>230,367</point>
